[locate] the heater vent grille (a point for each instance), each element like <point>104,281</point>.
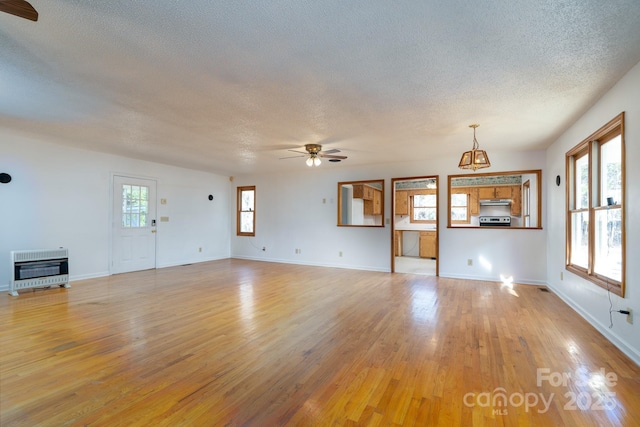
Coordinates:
<point>37,268</point>
<point>39,255</point>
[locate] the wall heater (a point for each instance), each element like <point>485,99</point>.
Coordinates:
<point>38,268</point>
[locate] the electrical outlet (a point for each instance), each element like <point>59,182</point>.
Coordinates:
<point>199,249</point>
<point>562,275</point>
<point>298,251</point>
<point>630,316</point>
<point>340,253</point>
<point>469,261</point>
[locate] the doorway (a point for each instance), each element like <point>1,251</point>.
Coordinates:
<point>133,232</point>
<point>414,226</point>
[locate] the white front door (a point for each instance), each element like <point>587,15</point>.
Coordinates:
<point>134,224</point>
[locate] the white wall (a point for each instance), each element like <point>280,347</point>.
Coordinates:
<point>290,214</point>
<point>588,299</point>
<point>59,197</point>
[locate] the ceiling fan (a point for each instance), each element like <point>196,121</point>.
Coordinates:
<point>314,151</point>
<point>20,8</point>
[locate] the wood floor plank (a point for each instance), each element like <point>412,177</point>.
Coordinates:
<point>237,342</point>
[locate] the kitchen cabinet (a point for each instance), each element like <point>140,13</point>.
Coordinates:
<point>500,192</point>
<point>516,200</point>
<point>402,203</point>
<point>363,191</point>
<point>510,192</point>
<point>503,192</point>
<point>474,202</point>
<point>371,196</point>
<point>377,202</point>
<point>428,244</point>
<point>397,243</point>
<point>373,206</point>
<point>486,193</point>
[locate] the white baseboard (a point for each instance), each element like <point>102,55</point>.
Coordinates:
<point>492,279</point>
<point>621,344</point>
<point>189,261</point>
<point>315,264</point>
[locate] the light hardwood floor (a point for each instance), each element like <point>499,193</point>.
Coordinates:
<point>236,342</point>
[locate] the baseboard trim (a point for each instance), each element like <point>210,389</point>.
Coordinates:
<point>315,264</point>
<point>614,338</point>
<point>493,279</point>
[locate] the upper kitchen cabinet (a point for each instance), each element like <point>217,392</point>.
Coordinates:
<point>361,203</point>
<point>501,199</point>
<point>402,202</point>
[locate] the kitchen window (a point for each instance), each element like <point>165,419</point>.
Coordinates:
<point>423,208</point>
<point>460,208</point>
<point>595,207</point>
<point>246,220</point>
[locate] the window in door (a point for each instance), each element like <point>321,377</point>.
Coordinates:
<point>246,220</point>
<point>135,206</point>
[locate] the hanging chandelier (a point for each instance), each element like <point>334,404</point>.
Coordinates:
<point>476,158</point>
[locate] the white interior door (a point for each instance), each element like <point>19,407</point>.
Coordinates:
<point>134,224</point>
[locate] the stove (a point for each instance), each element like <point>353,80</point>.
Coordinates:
<point>495,221</point>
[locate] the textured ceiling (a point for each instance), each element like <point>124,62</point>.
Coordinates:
<point>229,86</point>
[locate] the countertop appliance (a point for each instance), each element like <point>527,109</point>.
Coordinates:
<point>495,221</point>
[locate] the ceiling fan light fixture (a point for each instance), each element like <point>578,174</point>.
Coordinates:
<point>316,161</point>
<point>476,158</point>
<point>310,161</point>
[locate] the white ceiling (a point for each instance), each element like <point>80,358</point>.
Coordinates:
<point>228,86</point>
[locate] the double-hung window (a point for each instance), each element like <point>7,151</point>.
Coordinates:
<point>424,207</point>
<point>595,207</point>
<point>460,207</point>
<point>246,220</point>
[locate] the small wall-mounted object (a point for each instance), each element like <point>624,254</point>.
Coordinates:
<point>210,196</point>
<point>558,180</point>
<point>5,178</point>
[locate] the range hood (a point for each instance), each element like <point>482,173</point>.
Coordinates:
<point>495,202</point>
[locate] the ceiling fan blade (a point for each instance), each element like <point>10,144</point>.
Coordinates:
<point>293,157</point>
<point>332,151</point>
<point>331,156</point>
<point>20,8</point>
<point>301,152</point>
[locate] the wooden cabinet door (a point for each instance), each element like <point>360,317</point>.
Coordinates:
<point>358,191</point>
<point>428,244</point>
<point>474,202</point>
<point>377,202</point>
<point>397,243</point>
<point>516,201</point>
<point>503,192</point>
<point>486,192</point>
<point>402,203</point>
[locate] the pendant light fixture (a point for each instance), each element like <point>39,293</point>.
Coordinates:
<point>476,158</point>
